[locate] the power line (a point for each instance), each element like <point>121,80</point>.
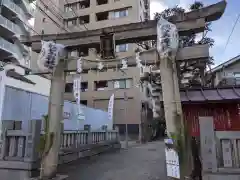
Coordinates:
<point>44,13</point>
<point>57,8</point>
<point>55,13</point>
<point>229,37</point>
<point>52,10</point>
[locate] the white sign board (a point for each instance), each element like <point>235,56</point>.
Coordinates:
<point>172,162</point>
<point>227,153</point>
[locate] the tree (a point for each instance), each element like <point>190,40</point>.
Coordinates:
<point>190,39</point>
<point>197,68</point>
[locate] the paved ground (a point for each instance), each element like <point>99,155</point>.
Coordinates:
<point>139,162</point>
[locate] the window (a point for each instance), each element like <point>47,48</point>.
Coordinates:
<point>237,76</point>
<point>44,19</point>
<point>122,48</point>
<point>101,85</point>
<point>84,19</point>
<point>84,86</point>
<point>71,22</point>
<point>120,13</point>
<point>68,8</point>
<point>83,102</point>
<point>100,2</point>
<point>122,83</point>
<point>69,87</point>
<point>42,31</point>
<point>102,16</point>
<point>84,4</point>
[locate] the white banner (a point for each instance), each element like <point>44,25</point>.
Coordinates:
<point>111,108</point>
<point>77,94</point>
<point>167,38</point>
<point>50,55</point>
<point>77,88</point>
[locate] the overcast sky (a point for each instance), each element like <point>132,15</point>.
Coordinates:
<point>221,29</point>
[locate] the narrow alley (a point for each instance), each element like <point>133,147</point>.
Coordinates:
<point>139,162</point>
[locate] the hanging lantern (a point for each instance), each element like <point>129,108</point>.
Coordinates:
<point>167,38</point>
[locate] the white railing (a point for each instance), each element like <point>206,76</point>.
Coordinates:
<point>10,25</point>
<point>18,11</point>
<point>13,49</point>
<point>15,8</point>
<point>7,46</point>
<point>75,139</point>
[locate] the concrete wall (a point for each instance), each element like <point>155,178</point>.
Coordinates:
<point>23,105</point>
<point>42,86</point>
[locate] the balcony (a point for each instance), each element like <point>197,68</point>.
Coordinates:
<point>29,9</point>
<point>9,51</point>
<point>13,10</point>
<point>8,28</point>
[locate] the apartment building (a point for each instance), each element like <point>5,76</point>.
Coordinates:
<point>97,87</point>
<point>14,22</point>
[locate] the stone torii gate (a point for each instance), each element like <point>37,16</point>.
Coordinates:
<point>188,23</point>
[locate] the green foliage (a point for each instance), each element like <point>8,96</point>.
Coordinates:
<point>197,5</point>
<point>191,38</point>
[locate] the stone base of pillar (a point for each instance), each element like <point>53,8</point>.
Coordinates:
<point>58,177</point>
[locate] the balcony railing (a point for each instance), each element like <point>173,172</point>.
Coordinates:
<point>16,9</point>
<point>14,50</point>
<point>9,47</point>
<point>30,9</point>
<point>10,26</point>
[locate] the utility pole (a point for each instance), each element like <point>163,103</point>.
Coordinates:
<point>55,113</point>
<point>125,114</point>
